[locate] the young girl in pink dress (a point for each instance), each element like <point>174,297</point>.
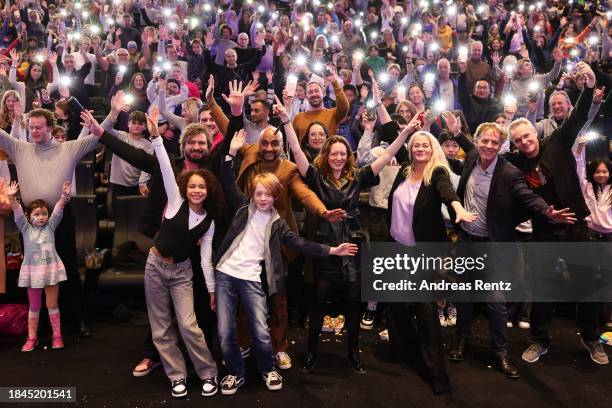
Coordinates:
<point>42,267</point>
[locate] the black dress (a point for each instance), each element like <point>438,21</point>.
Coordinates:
<point>346,196</point>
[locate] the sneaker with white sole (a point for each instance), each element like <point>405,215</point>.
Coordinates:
<point>384,335</point>
<point>283,361</point>
<point>209,387</point>
<point>145,367</point>
<point>534,352</point>
<point>442,317</point>
<point>245,353</point>
<point>595,349</point>
<point>179,388</point>
<point>367,320</point>
<point>509,324</point>
<point>524,324</point>
<point>230,384</point>
<point>451,320</point>
<point>273,380</point>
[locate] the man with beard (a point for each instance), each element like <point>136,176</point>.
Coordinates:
<point>317,113</point>
<point>196,144</point>
<point>263,157</point>
<point>260,113</point>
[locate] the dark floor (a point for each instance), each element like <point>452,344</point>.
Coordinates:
<point>100,368</point>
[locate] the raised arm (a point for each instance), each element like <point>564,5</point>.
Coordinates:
<point>300,157</point>
<point>215,110</point>
<point>58,210</point>
<point>172,190</point>
<point>172,119</point>
<point>235,197</point>
<point>389,153</point>
<point>52,86</point>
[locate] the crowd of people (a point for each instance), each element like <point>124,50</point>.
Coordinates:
<point>253,130</point>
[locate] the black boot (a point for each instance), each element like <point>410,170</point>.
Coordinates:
<point>356,362</point>
<point>308,364</point>
<point>84,330</point>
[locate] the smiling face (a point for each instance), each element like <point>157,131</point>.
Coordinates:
<point>559,106</point>
<point>489,143</point>
<point>196,148</point>
<point>316,136</point>
<point>39,131</point>
<point>264,200</point>
<point>415,95</point>
<point>337,157</point>
<point>314,95</point>
<point>421,150</point>
<point>207,119</point>
<point>270,147</point>
<point>525,138</point>
<point>39,216</point>
<point>139,82</point>
<point>196,190</point>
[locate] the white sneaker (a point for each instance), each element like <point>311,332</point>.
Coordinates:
<point>384,335</point>
<point>524,325</point>
<point>209,387</point>
<point>283,361</point>
<point>273,380</point>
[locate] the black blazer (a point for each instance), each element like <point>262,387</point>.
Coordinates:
<point>427,220</point>
<point>509,195</point>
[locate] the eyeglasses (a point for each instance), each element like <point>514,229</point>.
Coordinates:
<point>122,55</point>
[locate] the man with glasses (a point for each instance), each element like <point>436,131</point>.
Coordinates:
<point>112,66</point>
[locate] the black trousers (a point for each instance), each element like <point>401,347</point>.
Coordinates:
<point>423,340</point>
<point>71,298</point>
<point>352,307</point>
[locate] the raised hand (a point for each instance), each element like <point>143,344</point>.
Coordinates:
<point>66,190</point>
<point>210,89</point>
<point>280,110</point>
<point>345,249</point>
<point>118,103</point>
<point>12,189</point>
<point>563,216</point>
<point>255,75</point>
<point>236,97</point>
<point>557,54</point>
<point>368,124</point>
<point>209,40</point>
<point>598,95</point>
<point>237,142</point>
<point>582,68</point>
<point>376,92</point>
<point>414,125</point>
<point>91,123</point>
<point>269,76</point>
<point>53,58</point>
<point>496,58</point>
<point>453,124</point>
<point>14,56</point>
<point>152,121</point>
<point>251,88</point>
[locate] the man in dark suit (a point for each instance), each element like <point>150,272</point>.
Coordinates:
<point>496,191</point>
<point>550,169</point>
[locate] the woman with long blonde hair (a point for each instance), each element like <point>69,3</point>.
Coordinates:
<point>10,110</point>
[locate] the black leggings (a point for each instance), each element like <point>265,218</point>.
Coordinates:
<point>352,307</point>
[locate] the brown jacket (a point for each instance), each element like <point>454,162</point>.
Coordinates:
<point>289,176</point>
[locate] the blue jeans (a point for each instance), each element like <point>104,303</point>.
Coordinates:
<point>229,291</point>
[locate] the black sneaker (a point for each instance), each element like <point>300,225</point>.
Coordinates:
<point>230,384</point>
<point>209,387</point>
<point>273,380</point>
<point>367,321</point>
<point>179,388</point>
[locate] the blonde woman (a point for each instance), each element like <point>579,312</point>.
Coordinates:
<point>189,111</point>
<point>10,110</point>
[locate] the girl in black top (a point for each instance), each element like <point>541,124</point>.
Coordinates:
<point>188,220</point>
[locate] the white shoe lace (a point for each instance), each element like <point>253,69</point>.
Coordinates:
<point>272,376</point>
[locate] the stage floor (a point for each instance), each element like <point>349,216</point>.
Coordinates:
<point>101,369</point>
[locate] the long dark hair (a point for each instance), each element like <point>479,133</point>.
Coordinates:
<point>591,168</point>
